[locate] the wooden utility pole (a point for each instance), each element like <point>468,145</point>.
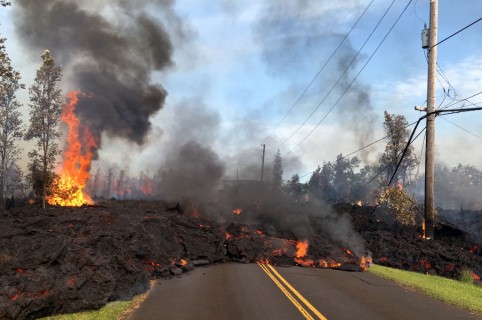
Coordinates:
<point>430,152</point>
<point>262,163</point>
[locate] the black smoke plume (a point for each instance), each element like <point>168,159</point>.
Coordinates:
<point>108,50</point>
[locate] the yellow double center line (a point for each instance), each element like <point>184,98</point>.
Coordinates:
<point>274,275</point>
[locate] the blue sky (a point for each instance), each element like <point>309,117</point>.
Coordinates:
<point>243,64</point>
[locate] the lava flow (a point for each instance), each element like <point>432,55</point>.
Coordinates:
<point>301,251</point>
<point>68,188</point>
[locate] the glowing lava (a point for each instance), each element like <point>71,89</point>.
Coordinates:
<point>301,251</point>
<point>68,188</point>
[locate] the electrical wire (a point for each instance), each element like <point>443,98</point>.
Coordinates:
<point>441,74</point>
<point>360,149</point>
<point>400,154</point>
<point>461,128</point>
<point>324,66</point>
<point>455,33</point>
<point>351,83</point>
<point>418,166</point>
<point>340,77</point>
<point>416,14</point>
<point>462,100</point>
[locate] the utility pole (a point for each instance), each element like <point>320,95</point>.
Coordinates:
<point>430,152</point>
<point>262,163</point>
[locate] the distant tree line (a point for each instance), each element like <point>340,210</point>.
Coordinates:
<point>344,180</point>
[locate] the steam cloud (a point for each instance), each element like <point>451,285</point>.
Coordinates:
<point>109,59</point>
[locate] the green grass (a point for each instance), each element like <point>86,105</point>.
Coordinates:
<point>464,295</point>
<point>110,311</point>
<point>117,310</point>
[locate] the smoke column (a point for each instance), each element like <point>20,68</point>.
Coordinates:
<point>108,52</point>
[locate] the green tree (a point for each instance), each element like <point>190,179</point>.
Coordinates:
<point>46,103</point>
<point>11,127</point>
<point>327,176</point>
<point>344,174</point>
<point>277,170</point>
<point>295,187</point>
<point>314,184</point>
<point>397,137</point>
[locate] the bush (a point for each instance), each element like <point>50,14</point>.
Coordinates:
<point>400,202</point>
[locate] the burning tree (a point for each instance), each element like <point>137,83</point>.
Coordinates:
<point>11,128</point>
<point>45,108</point>
<point>68,187</point>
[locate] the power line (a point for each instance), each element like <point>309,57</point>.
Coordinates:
<point>462,100</point>
<point>324,65</point>
<point>340,77</point>
<point>354,79</point>
<point>400,154</point>
<point>453,34</point>
<point>362,148</point>
<point>418,166</point>
<point>407,126</point>
<point>461,128</point>
<point>410,141</point>
<point>416,14</point>
<point>444,77</point>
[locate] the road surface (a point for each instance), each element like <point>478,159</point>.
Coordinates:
<point>252,291</point>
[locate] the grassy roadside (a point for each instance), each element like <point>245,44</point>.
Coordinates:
<point>117,310</point>
<point>463,295</point>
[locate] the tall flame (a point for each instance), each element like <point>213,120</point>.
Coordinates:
<point>68,188</point>
<point>301,248</point>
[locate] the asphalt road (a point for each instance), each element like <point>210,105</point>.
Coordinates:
<point>252,291</point>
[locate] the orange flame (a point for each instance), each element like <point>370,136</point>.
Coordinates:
<point>183,262</point>
<point>301,248</point>
<point>237,211</point>
<point>329,264</point>
<point>68,188</point>
<point>305,262</point>
<point>365,262</point>
<point>424,235</point>
<point>348,252</point>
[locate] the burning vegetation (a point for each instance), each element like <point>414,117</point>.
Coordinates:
<point>68,188</point>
